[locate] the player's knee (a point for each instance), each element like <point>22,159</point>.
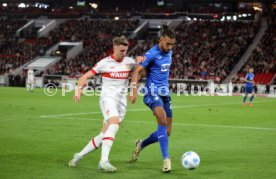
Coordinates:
<point>161,116</point>
<point>162,122</point>
<point>114,120</point>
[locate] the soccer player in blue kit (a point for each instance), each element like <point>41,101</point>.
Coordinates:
<point>156,63</point>
<point>249,87</point>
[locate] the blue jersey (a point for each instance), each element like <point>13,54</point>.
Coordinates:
<point>249,77</point>
<point>158,65</point>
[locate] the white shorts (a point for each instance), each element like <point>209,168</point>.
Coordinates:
<point>111,107</point>
<point>30,81</point>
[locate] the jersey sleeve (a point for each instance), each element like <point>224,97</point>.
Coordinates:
<point>133,63</point>
<point>148,58</point>
<point>247,77</point>
<point>98,68</point>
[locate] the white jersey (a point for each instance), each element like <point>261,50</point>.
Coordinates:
<point>30,76</point>
<point>30,73</point>
<point>115,75</point>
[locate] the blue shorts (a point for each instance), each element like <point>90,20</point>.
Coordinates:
<point>163,101</point>
<point>249,89</point>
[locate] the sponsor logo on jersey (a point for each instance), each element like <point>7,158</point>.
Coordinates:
<point>117,75</point>
<point>165,67</point>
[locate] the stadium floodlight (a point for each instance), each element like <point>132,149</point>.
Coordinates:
<point>22,5</point>
<point>257,8</point>
<point>228,17</point>
<point>222,19</point>
<point>4,4</point>
<point>94,5</point>
<point>244,15</point>
<point>235,18</point>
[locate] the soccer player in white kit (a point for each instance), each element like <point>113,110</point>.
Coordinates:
<point>30,80</point>
<point>115,71</point>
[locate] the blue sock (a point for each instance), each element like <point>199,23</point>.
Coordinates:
<point>251,98</point>
<point>244,98</point>
<point>150,140</point>
<point>163,140</point>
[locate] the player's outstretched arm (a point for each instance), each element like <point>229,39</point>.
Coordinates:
<point>81,84</point>
<point>136,76</point>
<point>139,59</point>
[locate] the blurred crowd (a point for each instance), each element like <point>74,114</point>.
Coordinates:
<point>13,52</point>
<point>97,37</point>
<point>263,58</point>
<point>204,49</point>
<point>209,50</point>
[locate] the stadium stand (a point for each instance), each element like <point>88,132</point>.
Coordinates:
<point>95,34</point>
<point>263,58</point>
<point>97,37</point>
<point>207,49</point>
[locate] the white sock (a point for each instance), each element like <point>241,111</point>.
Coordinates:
<point>92,145</point>
<point>32,87</point>
<point>28,87</point>
<point>108,139</point>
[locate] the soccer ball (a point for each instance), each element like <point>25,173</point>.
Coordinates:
<point>190,160</point>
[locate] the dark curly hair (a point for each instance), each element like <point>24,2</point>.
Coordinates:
<point>166,31</point>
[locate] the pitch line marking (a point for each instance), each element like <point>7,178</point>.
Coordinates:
<point>62,116</point>
<point>179,124</point>
<point>145,109</point>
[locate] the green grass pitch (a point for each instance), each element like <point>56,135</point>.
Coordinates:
<point>39,135</point>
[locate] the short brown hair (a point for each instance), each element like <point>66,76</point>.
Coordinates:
<point>120,41</point>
